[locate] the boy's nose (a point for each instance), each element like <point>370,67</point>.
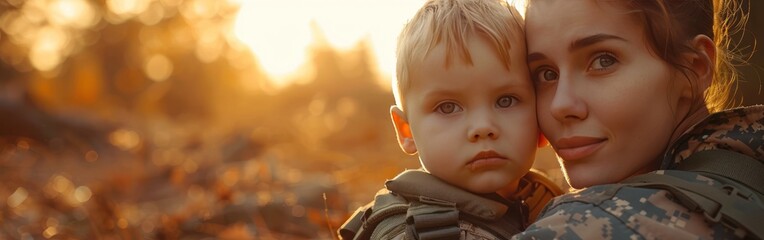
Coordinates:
<point>485,133</point>
<point>483,129</point>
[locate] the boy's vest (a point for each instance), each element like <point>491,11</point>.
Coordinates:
<point>417,205</point>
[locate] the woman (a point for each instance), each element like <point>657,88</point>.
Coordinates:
<point>626,91</point>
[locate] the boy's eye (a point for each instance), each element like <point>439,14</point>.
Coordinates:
<point>545,75</point>
<point>448,108</point>
<point>603,61</point>
<point>505,101</point>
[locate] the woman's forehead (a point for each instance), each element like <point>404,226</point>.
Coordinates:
<point>556,18</point>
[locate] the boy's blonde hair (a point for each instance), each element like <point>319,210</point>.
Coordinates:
<point>450,22</point>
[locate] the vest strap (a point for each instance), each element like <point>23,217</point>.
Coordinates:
<point>726,205</point>
<point>354,224</point>
<point>433,221</point>
<point>729,164</point>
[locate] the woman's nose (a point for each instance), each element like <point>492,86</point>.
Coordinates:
<point>568,102</point>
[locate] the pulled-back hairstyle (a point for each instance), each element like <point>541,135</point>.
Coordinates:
<point>451,22</point>
<point>672,24</point>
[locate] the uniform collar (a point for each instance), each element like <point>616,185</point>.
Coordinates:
<point>739,129</point>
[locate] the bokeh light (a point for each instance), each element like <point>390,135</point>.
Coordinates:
<point>82,194</point>
<point>158,67</point>
<point>17,197</point>
<point>75,13</point>
<point>124,139</point>
<point>47,49</point>
<point>127,7</point>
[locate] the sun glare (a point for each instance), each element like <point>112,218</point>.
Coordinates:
<point>279,33</point>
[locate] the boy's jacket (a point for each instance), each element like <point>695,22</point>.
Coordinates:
<point>417,205</point>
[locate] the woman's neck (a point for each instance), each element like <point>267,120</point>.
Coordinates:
<point>695,115</point>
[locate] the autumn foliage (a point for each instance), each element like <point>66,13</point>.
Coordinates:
<point>140,127</point>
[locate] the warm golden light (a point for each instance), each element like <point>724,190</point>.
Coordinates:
<point>82,194</point>
<point>75,13</point>
<point>124,7</point>
<point>158,67</point>
<point>276,32</point>
<point>18,197</point>
<point>520,5</point>
<point>46,52</point>
<point>124,139</point>
<point>280,33</point>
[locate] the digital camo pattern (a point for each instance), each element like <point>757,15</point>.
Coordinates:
<point>615,211</point>
<point>740,130</point>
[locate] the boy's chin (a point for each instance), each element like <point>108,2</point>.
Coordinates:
<point>484,186</point>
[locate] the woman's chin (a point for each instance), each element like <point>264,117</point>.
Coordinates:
<point>577,184</point>
<point>584,179</point>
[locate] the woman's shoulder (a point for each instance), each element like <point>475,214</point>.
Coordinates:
<point>620,211</point>
<point>629,196</point>
<point>738,129</point>
<point>607,195</point>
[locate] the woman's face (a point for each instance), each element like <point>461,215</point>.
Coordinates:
<point>606,103</point>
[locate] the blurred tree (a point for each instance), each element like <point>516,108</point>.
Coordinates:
<point>751,86</point>
<point>150,120</point>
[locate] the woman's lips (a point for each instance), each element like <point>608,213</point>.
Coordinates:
<point>574,148</point>
<point>486,160</point>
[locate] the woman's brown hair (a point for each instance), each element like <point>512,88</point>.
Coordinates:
<point>671,24</point>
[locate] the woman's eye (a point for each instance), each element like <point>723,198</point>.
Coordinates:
<point>603,61</point>
<point>545,75</point>
<point>505,101</point>
<point>448,108</point>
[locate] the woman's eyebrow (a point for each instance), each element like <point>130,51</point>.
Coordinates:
<point>591,40</point>
<point>578,44</point>
<point>534,56</point>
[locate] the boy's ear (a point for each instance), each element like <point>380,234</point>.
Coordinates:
<point>702,61</point>
<point>402,130</point>
<point>543,142</point>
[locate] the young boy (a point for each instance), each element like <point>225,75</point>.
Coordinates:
<point>465,104</point>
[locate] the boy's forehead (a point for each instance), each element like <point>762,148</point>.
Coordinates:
<point>452,52</point>
<point>489,72</point>
<point>441,55</point>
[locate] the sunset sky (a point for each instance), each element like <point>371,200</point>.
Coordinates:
<point>279,32</point>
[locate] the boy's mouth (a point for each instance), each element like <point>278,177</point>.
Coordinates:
<point>486,159</point>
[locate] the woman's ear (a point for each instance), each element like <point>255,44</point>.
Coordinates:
<point>702,61</point>
<point>402,130</point>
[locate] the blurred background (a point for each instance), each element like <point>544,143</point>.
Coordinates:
<point>193,119</point>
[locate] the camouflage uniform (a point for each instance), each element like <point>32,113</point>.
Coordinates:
<point>619,211</point>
